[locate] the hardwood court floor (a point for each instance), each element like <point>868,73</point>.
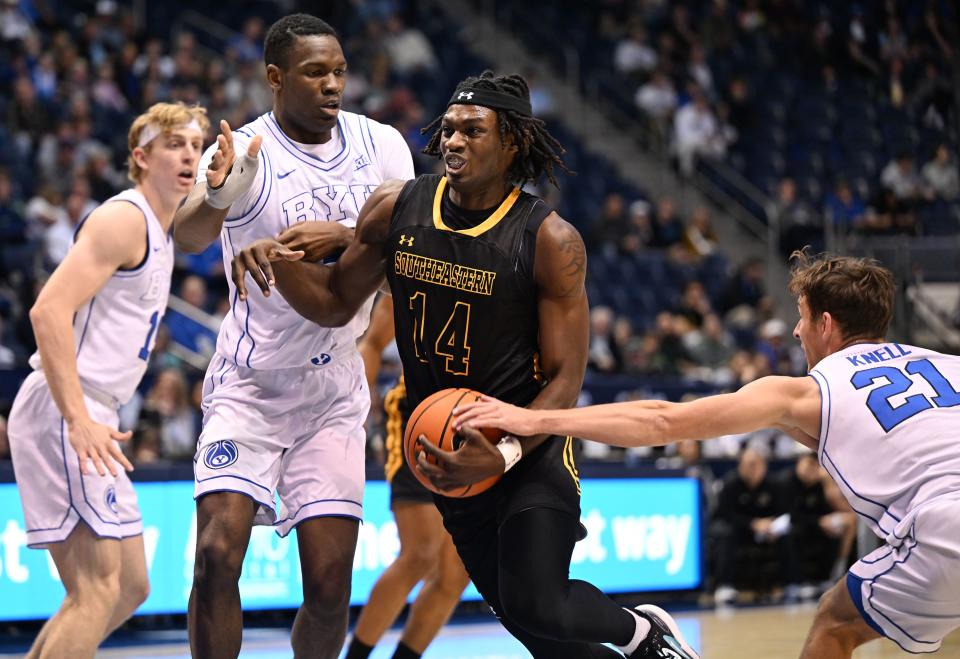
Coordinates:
<point>746,633</point>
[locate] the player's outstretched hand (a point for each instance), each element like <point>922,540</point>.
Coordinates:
<point>98,443</point>
<point>224,156</point>
<point>474,460</point>
<point>255,258</point>
<point>492,413</point>
<point>317,240</point>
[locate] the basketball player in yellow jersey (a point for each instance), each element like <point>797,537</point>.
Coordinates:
<point>426,550</point>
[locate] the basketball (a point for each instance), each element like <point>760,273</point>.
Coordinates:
<point>433,419</point>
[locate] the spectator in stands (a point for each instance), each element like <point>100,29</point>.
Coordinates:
<point>889,214</point>
<point>781,352</point>
<point>821,535</point>
<point>671,357</point>
<point>711,346</point>
<point>717,28</point>
<point>694,131</point>
<point>248,45</point>
<point>699,237</point>
<point>900,175</point>
<point>601,356</point>
<point>694,304</point>
<point>741,113</point>
<point>611,225</point>
<point>940,175</point>
<point>844,209</point>
<point>27,119</point>
<point>667,227</point>
<point>747,519</point>
<point>168,409</point>
<point>745,288</point>
<point>932,97</point>
<point>639,230</point>
<point>698,69</point>
<point>633,55</point>
<point>658,99</point>
<point>799,225</point>
<point>408,49</point>
<point>59,236</point>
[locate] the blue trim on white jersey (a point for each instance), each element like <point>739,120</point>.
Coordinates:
<point>854,587</point>
<point>233,306</point>
<point>366,121</point>
<point>364,138</point>
<point>310,503</point>
<point>253,343</point>
<point>307,158</point>
<point>197,497</point>
<point>86,323</point>
<point>146,254</point>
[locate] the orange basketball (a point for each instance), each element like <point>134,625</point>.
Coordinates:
<point>433,419</point>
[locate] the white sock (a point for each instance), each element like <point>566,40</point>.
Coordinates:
<point>643,628</point>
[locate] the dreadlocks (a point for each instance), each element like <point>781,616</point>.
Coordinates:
<point>538,152</point>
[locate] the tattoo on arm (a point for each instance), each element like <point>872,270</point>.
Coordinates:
<point>573,260</point>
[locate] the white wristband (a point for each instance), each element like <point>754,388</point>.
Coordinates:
<point>511,450</point>
<point>238,181</point>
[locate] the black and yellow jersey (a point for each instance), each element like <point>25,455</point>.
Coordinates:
<point>465,298</point>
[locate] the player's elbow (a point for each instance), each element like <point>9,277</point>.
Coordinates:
<point>662,429</point>
<point>40,314</point>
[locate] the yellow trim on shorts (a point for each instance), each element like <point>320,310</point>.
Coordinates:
<point>394,441</point>
<point>569,462</point>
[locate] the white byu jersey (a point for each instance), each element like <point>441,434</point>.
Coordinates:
<point>116,330</point>
<point>298,182</point>
<point>890,429</point>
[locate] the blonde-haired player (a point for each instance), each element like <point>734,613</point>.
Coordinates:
<point>95,323</point>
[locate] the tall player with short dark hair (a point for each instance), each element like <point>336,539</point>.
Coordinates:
<point>284,400</point>
<point>488,288</point>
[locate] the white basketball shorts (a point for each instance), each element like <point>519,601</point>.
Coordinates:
<point>909,588</point>
<point>54,493</point>
<point>295,434</point>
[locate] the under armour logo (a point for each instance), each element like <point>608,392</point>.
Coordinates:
<point>406,241</point>
<point>466,95</point>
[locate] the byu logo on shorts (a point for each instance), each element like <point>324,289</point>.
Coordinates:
<point>321,360</point>
<point>220,454</point>
<point>110,497</point>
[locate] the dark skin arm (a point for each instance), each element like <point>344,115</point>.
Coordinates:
<point>328,295</point>
<point>559,270</point>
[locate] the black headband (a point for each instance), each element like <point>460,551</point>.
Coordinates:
<point>490,99</point>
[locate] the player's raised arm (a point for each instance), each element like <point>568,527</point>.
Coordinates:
<point>112,237</point>
<point>199,221</point>
<point>765,403</point>
<point>327,295</point>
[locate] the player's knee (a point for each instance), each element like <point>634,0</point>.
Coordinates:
<point>135,592</point>
<point>217,559</point>
<point>418,559</point>
<point>450,583</point>
<point>326,586</point>
<point>533,612</point>
<point>99,596</point>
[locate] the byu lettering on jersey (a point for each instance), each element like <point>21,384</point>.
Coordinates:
<point>284,399</point>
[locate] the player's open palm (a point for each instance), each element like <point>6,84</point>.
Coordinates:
<point>225,156</point>
<point>317,240</point>
<point>492,413</point>
<point>97,443</point>
<point>256,258</point>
